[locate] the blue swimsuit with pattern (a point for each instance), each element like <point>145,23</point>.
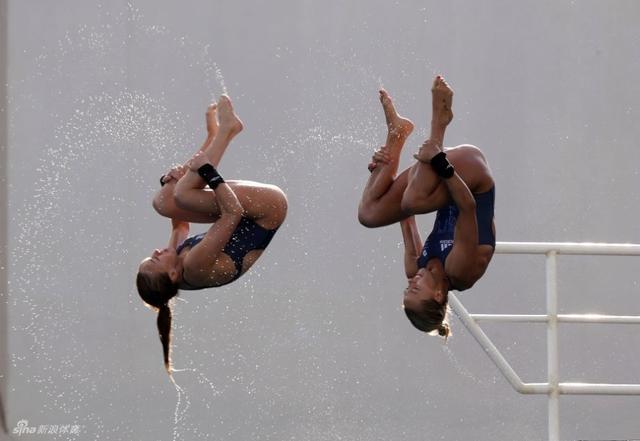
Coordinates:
<point>439,243</point>
<point>247,236</point>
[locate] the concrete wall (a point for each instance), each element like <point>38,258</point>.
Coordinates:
<point>312,343</point>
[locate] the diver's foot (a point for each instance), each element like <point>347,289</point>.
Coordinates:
<point>211,118</point>
<point>428,150</point>
<point>398,126</point>
<point>230,124</point>
<point>442,100</point>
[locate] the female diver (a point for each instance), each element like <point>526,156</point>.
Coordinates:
<point>457,183</point>
<point>244,216</point>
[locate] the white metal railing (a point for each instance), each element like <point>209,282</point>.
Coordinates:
<point>553,387</point>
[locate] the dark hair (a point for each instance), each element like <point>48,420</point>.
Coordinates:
<point>430,317</point>
<point>156,291</point>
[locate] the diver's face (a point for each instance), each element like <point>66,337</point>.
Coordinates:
<point>161,261</point>
<point>421,287</point>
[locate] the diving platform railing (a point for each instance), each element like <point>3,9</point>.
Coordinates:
<point>553,387</point>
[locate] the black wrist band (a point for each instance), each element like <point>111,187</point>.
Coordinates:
<point>441,165</point>
<point>161,181</point>
<point>210,176</point>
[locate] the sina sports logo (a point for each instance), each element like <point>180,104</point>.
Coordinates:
<point>23,428</point>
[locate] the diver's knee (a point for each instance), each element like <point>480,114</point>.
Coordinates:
<point>280,205</point>
<point>162,204</point>
<point>367,218</point>
<point>466,151</point>
<point>158,206</point>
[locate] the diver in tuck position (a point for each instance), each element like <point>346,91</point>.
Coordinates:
<point>457,183</point>
<point>244,217</point>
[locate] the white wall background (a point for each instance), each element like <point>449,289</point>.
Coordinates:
<point>312,344</point>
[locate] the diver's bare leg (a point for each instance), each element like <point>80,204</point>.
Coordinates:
<point>190,186</point>
<point>258,200</point>
<point>264,203</point>
<point>425,191</point>
<point>212,119</point>
<point>232,125</point>
<point>212,128</point>
<point>163,200</point>
<point>380,202</point>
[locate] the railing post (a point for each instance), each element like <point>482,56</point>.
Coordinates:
<point>552,346</point>
<point>553,388</point>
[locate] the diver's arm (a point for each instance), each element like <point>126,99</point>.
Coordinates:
<point>202,257</point>
<point>412,245</point>
<point>460,193</point>
<point>179,232</point>
<point>465,235</point>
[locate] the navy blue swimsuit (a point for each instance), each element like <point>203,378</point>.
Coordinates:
<point>440,241</point>
<point>247,236</point>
